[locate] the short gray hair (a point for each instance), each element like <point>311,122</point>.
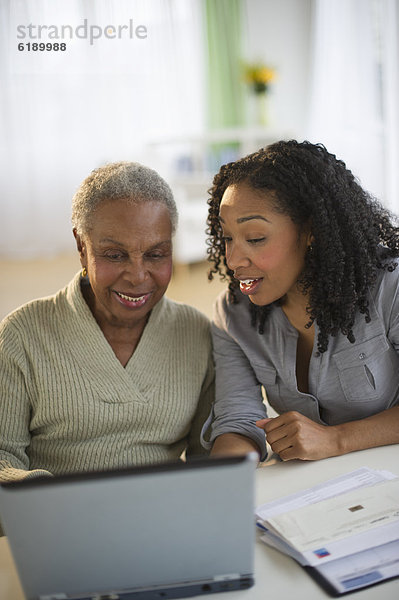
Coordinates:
<point>129,181</point>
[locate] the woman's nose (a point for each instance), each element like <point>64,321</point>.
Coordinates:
<point>136,271</point>
<point>236,256</point>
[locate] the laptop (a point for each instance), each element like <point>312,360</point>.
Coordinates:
<point>167,531</point>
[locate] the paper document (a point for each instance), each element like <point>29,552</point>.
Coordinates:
<point>329,520</point>
<point>362,569</point>
<point>336,549</point>
<point>333,487</point>
<point>344,531</point>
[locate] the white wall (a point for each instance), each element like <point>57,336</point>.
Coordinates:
<point>338,79</point>
<point>278,33</point>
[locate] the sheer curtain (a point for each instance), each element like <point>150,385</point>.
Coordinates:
<point>354,92</point>
<point>63,113</point>
<point>224,24</point>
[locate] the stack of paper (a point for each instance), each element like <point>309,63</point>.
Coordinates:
<point>345,532</point>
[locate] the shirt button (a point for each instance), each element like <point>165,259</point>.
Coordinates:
<point>362,356</point>
<point>317,354</point>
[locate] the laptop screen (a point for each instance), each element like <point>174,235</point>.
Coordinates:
<point>171,530</point>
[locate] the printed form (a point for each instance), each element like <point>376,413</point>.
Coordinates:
<point>344,531</point>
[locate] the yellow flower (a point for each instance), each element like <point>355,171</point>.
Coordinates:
<point>265,74</point>
<point>259,76</point>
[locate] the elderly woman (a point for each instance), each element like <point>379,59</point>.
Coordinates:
<point>312,310</point>
<point>107,373</point>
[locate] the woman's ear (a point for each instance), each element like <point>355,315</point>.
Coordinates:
<point>310,236</point>
<point>80,245</point>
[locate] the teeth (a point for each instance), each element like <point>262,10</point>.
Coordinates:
<point>130,298</point>
<point>247,281</point>
<point>245,284</point>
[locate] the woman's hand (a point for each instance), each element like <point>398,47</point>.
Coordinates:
<point>292,435</point>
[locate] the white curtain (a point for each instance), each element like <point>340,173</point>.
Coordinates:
<point>63,113</point>
<point>354,91</point>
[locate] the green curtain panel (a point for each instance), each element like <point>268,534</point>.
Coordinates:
<point>225,98</point>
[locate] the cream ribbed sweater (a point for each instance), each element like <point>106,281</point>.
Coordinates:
<point>67,404</point>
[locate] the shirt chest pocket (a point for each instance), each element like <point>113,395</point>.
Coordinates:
<point>368,371</point>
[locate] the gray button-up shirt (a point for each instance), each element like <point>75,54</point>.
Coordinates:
<point>347,382</point>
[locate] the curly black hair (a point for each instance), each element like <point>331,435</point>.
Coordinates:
<point>353,235</point>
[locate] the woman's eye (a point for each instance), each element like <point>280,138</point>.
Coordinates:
<point>114,256</point>
<point>158,254</point>
<point>256,240</point>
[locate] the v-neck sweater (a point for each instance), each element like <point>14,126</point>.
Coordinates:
<point>68,405</point>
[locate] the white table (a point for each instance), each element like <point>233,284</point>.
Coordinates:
<point>276,575</point>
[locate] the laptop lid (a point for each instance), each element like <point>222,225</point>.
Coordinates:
<point>164,531</point>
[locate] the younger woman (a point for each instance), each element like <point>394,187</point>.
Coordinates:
<point>312,309</point>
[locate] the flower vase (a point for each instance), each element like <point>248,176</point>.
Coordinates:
<point>262,109</point>
<point>258,109</point>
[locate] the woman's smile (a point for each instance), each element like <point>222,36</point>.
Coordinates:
<point>132,301</point>
<point>249,286</point>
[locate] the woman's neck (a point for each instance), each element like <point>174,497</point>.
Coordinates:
<point>294,306</point>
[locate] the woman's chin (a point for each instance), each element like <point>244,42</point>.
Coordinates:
<point>259,300</point>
